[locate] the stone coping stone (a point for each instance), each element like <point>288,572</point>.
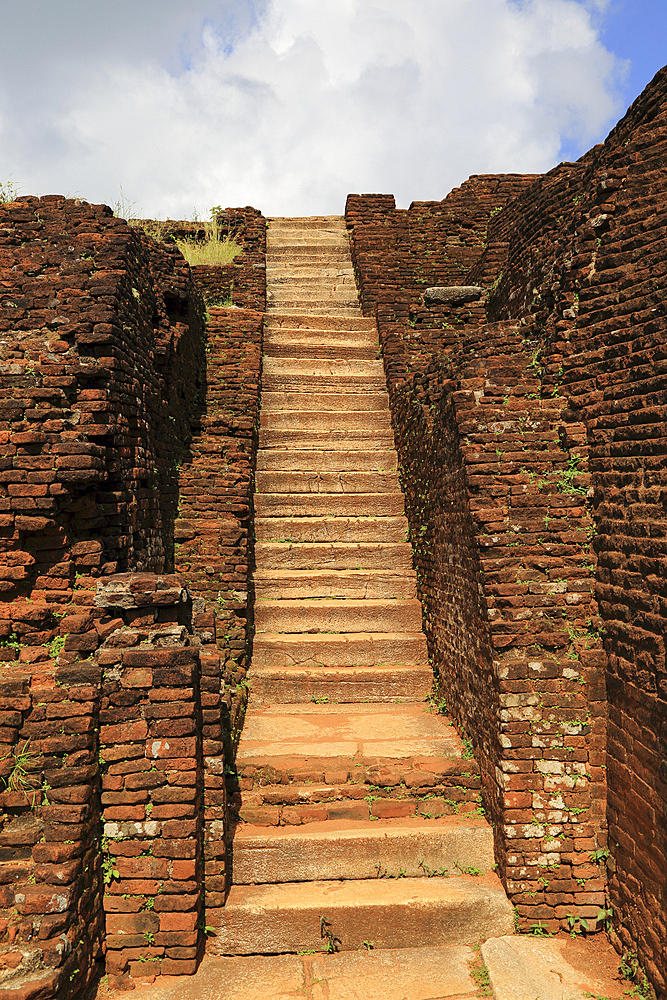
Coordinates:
<point>454,295</point>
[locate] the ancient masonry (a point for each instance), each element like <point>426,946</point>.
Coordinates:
<point>505,362</point>
<point>338,732</point>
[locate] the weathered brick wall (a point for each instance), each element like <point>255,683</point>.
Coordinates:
<point>151,767</point>
<point>575,268</point>
<point>100,367</point>
<point>496,487</point>
<point>590,255</point>
<point>214,554</point>
<point>118,417</point>
<point>241,283</point>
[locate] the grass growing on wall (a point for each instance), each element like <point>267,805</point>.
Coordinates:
<point>8,191</point>
<point>212,249</point>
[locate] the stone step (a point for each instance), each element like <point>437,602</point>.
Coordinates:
<point>292,792</point>
<point>305,257</point>
<point>342,384</point>
<point>334,296</point>
<point>341,685</point>
<point>359,585</point>
<point>325,241</point>
<point>297,308</point>
<point>307,321</point>
<point>401,848</point>
<point>334,555</point>
<point>333,370</point>
<point>333,438</point>
<point>339,649</point>
<point>378,974</point>
<point>302,349</point>
<point>327,615</point>
<point>307,222</point>
<point>332,402</point>
<point>283,274</point>
<point>397,913</point>
<point>326,482</point>
<point>316,420</point>
<point>298,284</point>
<point>331,529</point>
<point>277,236</point>
<point>363,734</point>
<point>329,504</point>
<point>303,336</point>
<point>317,459</point>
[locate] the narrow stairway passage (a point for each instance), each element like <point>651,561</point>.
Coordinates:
<point>359,813</point>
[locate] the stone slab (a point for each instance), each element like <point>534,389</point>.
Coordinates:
<point>358,584</point>
<point>347,615</point>
<point>315,419</point>
<point>539,968</point>
<point>361,850</point>
<point>391,913</point>
<point>414,973</point>
<point>334,529</point>
<point>339,649</point>
<point>326,482</point>
<point>334,555</point>
<point>320,459</point>
<point>334,685</point>
<point>332,402</point>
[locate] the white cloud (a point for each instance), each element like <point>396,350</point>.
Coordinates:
<point>291,104</point>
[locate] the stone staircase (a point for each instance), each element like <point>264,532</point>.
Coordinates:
<point>359,821</point>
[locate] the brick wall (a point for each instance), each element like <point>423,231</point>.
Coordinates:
<point>496,494</point>
<point>119,415</point>
<point>597,283</point>
<point>573,271</point>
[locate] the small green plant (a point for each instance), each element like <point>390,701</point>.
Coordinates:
<point>109,870</point>
<point>331,942</point>
<point>600,855</point>
<point>11,642</point>
<point>468,869</point>
<point>20,778</point>
<point>576,925</point>
<point>368,945</point>
<point>149,938</point>
<point>56,646</point>
<point>538,930</point>
<point>433,872</point>
<point>565,479</point>
<point>480,974</point>
<point>436,704</point>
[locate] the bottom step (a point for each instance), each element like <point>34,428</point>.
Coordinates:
<point>396,913</point>
<point>417,973</point>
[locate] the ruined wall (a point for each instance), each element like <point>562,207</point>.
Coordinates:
<point>496,485</point>
<point>214,554</point>
<point>573,272</point>
<point>118,691</point>
<point>591,256</point>
<point>241,283</point>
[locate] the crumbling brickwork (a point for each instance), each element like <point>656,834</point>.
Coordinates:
<point>530,439</point>
<point>117,700</point>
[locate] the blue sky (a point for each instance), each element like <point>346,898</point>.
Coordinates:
<point>291,104</point>
<point>636,30</point>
